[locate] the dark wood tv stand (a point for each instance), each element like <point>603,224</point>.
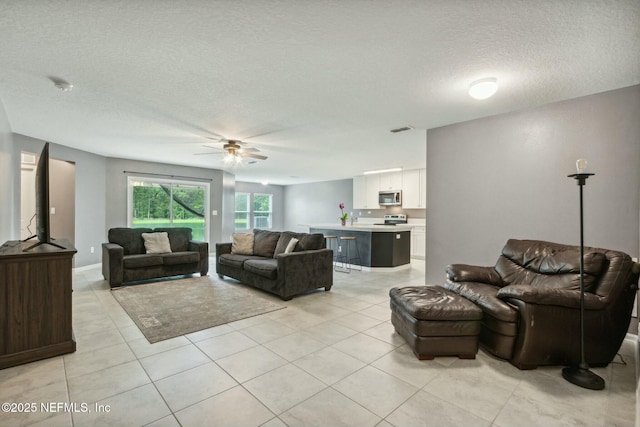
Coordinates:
<point>35,302</point>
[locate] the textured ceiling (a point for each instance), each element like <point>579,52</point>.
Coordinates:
<point>315,85</point>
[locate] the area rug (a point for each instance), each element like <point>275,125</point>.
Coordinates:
<point>171,308</point>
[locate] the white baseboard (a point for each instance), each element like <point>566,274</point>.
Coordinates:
<point>87,267</point>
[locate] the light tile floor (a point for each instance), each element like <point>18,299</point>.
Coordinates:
<point>328,359</point>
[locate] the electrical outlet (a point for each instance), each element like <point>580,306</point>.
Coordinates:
<point>93,249</point>
<point>339,248</point>
<point>53,211</point>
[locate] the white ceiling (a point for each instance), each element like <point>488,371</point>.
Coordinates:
<point>315,85</point>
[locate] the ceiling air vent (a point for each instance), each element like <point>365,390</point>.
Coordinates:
<point>402,129</point>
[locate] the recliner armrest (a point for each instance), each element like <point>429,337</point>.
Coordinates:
<point>474,273</point>
<point>544,295</point>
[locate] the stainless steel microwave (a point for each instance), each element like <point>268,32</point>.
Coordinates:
<point>390,198</point>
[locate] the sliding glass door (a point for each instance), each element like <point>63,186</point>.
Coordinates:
<point>154,202</point>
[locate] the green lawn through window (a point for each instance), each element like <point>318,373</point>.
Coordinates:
<point>197,225</point>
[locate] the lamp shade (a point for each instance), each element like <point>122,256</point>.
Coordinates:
<point>483,88</point>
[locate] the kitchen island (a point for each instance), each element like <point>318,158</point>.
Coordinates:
<point>380,246</point>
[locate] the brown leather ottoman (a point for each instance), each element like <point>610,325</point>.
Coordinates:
<point>435,321</point>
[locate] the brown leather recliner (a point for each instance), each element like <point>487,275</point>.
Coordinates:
<point>531,302</point>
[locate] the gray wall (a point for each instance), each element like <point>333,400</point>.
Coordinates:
<point>228,214</point>
<point>116,194</point>
<point>277,200</point>
<point>505,176</point>
<point>316,203</point>
<point>89,196</point>
<point>62,197</point>
<point>8,157</point>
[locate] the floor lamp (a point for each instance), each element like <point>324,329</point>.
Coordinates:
<point>581,375</point>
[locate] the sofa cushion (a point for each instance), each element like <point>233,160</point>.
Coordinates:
<point>306,242</point>
<point>264,242</point>
<point>242,243</point>
<point>179,237</point>
<point>129,238</point>
<point>142,261</point>
<point>235,260</point>
<point>537,263</point>
<point>177,258</point>
<point>262,267</point>
<point>309,242</point>
<point>283,241</point>
<point>156,243</point>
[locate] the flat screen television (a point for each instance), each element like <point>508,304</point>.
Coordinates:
<point>43,222</point>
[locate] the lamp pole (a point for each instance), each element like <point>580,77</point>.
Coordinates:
<point>581,375</point>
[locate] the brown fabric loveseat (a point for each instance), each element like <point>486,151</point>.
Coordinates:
<point>125,259</point>
<point>266,266</point>
<point>531,302</point>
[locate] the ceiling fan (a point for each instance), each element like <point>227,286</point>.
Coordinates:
<point>234,150</point>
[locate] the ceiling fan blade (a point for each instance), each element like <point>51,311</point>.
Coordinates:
<point>204,154</point>
<point>254,156</point>
<point>250,149</point>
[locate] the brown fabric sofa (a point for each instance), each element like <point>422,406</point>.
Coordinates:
<point>308,267</point>
<point>124,258</point>
<point>531,302</point>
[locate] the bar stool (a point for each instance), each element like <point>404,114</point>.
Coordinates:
<point>348,254</point>
<point>331,242</point>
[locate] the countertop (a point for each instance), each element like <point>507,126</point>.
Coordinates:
<point>364,227</point>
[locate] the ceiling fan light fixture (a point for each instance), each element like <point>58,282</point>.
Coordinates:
<point>232,159</point>
<point>483,88</point>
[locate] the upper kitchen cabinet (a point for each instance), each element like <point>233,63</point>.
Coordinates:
<point>360,192</point>
<point>414,189</point>
<point>413,184</point>
<point>373,188</point>
<point>390,181</point>
<point>365,192</point>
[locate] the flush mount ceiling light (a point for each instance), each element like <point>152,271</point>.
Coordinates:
<point>63,86</point>
<point>483,88</point>
<point>381,171</point>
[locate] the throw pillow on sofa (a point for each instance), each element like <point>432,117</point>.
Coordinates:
<point>156,243</point>
<point>242,243</point>
<point>306,242</point>
<point>291,245</point>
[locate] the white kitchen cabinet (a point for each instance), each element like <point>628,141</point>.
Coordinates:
<point>414,189</point>
<point>360,192</point>
<point>413,184</point>
<point>373,188</point>
<point>418,242</point>
<point>365,192</point>
<point>390,181</point>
